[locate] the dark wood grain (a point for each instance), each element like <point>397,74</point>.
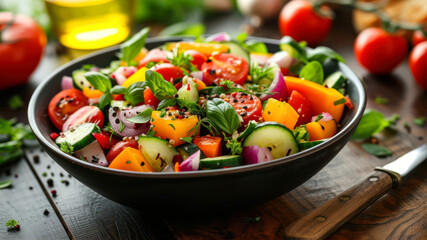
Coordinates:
<point>26,202</point>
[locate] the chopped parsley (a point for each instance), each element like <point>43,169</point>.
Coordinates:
<point>381,100</point>
<point>420,121</point>
<point>15,102</point>
<point>67,148</point>
<point>12,224</point>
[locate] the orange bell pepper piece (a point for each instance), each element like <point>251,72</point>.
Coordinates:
<point>210,146</point>
<point>321,129</point>
<point>132,160</point>
<point>280,112</point>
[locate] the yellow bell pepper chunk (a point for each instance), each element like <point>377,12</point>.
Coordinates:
<point>204,48</point>
<point>173,128</point>
<point>280,112</point>
<point>321,129</point>
<point>139,76</point>
<point>131,159</point>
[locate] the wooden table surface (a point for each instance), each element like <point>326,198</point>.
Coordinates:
<point>79,213</point>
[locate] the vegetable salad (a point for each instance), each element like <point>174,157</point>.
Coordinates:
<point>197,105</point>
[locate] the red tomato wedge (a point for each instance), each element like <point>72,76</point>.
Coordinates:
<point>85,114</point>
<point>168,71</point>
<point>119,147</point>
<point>225,66</point>
<point>64,104</point>
<point>302,106</point>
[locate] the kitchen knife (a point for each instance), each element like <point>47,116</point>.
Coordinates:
<point>326,219</point>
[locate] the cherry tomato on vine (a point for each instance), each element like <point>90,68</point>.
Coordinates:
<point>64,104</point>
<point>418,37</point>
<point>418,64</point>
<point>249,107</point>
<point>378,51</point>
<point>299,20</point>
<point>225,66</point>
<point>21,47</point>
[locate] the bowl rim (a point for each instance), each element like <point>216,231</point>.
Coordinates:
<point>190,174</point>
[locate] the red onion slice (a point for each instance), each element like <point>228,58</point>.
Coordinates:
<point>67,82</point>
<point>219,37</point>
<point>277,87</point>
<point>255,154</point>
<point>199,75</point>
<point>191,163</point>
<point>130,113</point>
<point>326,117</point>
<point>136,130</point>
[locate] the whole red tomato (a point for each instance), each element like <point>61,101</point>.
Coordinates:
<point>299,21</point>
<point>378,51</point>
<point>21,47</point>
<point>418,37</point>
<point>418,64</point>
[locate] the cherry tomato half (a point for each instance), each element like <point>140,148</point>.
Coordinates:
<point>198,58</point>
<point>105,139</point>
<point>225,66</point>
<point>85,114</point>
<point>302,106</point>
<point>150,99</point>
<point>168,71</point>
<point>249,107</point>
<point>418,64</point>
<point>119,147</point>
<point>299,21</point>
<point>21,48</point>
<point>64,104</point>
<point>379,52</point>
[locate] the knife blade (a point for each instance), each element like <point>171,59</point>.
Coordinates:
<point>326,219</point>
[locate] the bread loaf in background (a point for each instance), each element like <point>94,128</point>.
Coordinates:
<point>410,11</point>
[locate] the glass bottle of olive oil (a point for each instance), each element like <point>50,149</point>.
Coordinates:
<point>90,24</point>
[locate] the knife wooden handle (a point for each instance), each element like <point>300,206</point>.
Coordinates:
<point>326,219</point>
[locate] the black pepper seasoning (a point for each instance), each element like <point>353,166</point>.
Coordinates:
<point>46,212</point>
<point>50,182</point>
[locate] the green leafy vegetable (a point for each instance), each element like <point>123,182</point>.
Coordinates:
<point>376,150</point>
<point>234,146</point>
<point>321,53</point>
<point>133,46</point>
<point>13,133</point>
<point>261,74</point>
<point>15,102</point>
<point>182,60</point>
<point>340,101</point>
<point>118,89</point>
<point>257,47</point>
<point>184,28</point>
<point>167,102</point>
<point>313,71</point>
<point>98,81</point>
<point>12,224</point>
<point>161,88</point>
<point>295,49</point>
<point>420,121</point>
<point>66,147</point>
<point>135,92</point>
<point>371,123</point>
<point>381,100</point>
<point>105,100</point>
<point>223,115</point>
<point>187,139</point>
<point>5,184</point>
<point>142,117</point>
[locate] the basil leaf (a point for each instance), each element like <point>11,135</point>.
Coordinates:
<point>223,115</point>
<point>160,87</point>
<point>10,146</point>
<point>295,49</point>
<point>321,53</point>
<point>187,139</point>
<point>98,81</point>
<point>118,90</point>
<point>184,28</point>
<point>241,37</point>
<point>133,46</point>
<point>257,47</point>
<point>376,150</point>
<point>372,122</point>
<point>135,92</point>
<point>105,100</point>
<point>313,71</point>
<point>167,102</point>
<point>12,155</point>
<point>142,117</point>
<point>5,184</point>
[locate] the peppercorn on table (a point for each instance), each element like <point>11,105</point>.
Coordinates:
<point>50,204</point>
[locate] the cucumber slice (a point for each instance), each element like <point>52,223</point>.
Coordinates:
<point>236,49</point>
<point>158,152</point>
<point>79,80</point>
<point>221,162</point>
<point>79,136</point>
<point>336,80</point>
<point>120,104</point>
<point>187,149</point>
<point>274,136</point>
<point>300,133</point>
<point>307,145</point>
<point>249,129</point>
<point>329,66</point>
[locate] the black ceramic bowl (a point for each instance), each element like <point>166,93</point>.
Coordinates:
<point>212,189</point>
